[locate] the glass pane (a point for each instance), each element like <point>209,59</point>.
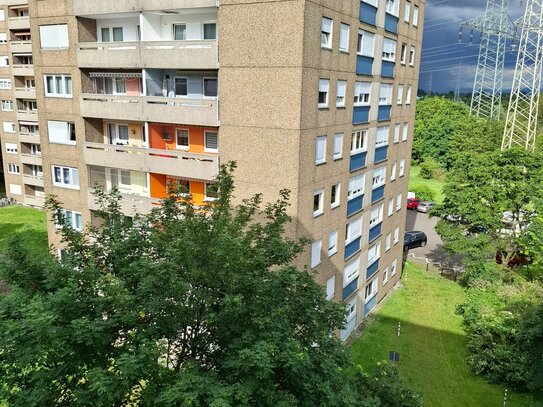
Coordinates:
<point>108,85</point>
<point>68,85</point>
<point>182,138</point>
<point>105,35</point>
<point>50,84</point>
<point>179,32</point>
<point>210,31</point>
<point>58,176</point>
<point>58,84</point>
<point>212,191</point>
<point>123,133</point>
<point>117,34</point>
<point>125,177</point>
<point>181,87</point>
<point>66,175</point>
<point>78,222</point>
<point>211,141</point>
<point>210,87</point>
<point>120,85</point>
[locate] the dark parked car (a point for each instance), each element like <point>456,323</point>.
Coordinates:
<point>414,238</point>
<point>412,203</point>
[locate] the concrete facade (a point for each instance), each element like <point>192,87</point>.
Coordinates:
<point>153,87</point>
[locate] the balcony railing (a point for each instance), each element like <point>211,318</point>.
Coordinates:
<point>88,7</point>
<point>198,112</point>
<point>31,159</point>
<point>20,46</point>
<point>34,200</point>
<point>19,23</point>
<point>130,204</point>
<point>32,138</point>
<point>25,93</point>
<point>27,115</point>
<point>33,180</point>
<point>195,54</point>
<point>170,162</point>
<point>23,70</point>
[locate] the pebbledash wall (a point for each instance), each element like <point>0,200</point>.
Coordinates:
<point>314,96</point>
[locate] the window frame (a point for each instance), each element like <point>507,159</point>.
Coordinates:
<point>73,175</point>
<point>320,207</point>
<point>208,149</point>
<point>316,253</point>
<point>324,82</point>
<point>342,39</point>
<point>328,35</point>
<point>320,147</point>
<point>332,237</point>
<point>335,195</point>
<point>337,152</point>
<point>181,146</point>
<point>59,93</point>
<point>341,85</point>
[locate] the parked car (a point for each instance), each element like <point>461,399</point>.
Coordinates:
<point>412,203</point>
<point>414,238</point>
<point>425,206</point>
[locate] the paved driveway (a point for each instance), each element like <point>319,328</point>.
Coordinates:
<point>433,251</point>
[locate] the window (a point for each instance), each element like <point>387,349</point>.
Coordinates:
<point>37,170</point>
<point>330,287</point>
<point>30,83</point>
<point>320,153</point>
<point>351,272</point>
<point>9,127</point>
<point>2,15</point>
<point>371,290</point>
<point>4,61</point>
<point>335,193</point>
<point>393,170</point>
<point>351,310</point>
<point>415,15</point>
<point>211,142</point>
<point>73,219</point>
<point>316,253</point>
<point>358,141</point>
<point>211,192</point>
<point>408,95</point>
<point>117,134</point>
<point>396,235</point>
<point>15,189</point>
<point>5,83</point>
<point>390,207</point>
<point>210,31</point>
<point>388,238</point>
<point>404,133</point>
<point>179,32</point>
<point>111,86</point>
<point>353,230</point>
<point>3,38</point>
<point>381,138</point>
<point>35,149</point>
<point>412,56</point>
<point>112,34</point>
<point>379,176</point>
<point>318,199</point>
<point>65,177</point>
<point>393,267</point>
<point>385,94</point>
<point>182,139</point>
<point>181,87</point>
<point>356,186</point>
<point>392,7</point>
<point>362,91</point>
<point>374,253</point>
<point>324,85</point>
<point>62,132</point>
<point>326,33</point>
<point>372,2</point>
<point>399,96</point>
<point>54,36</point>
<point>7,105</point>
<point>332,243</point>
<point>385,276</point>
<point>404,53</point>
<point>338,146</point>
<point>340,93</point>
<point>366,41</point>
<point>13,169</point>
<point>407,11</point>
<point>28,105</point>
<point>344,30</point>
<point>399,201</point>
<point>211,87</point>
<point>376,215</point>
<point>389,50</point>
<point>397,133</point>
<point>58,85</point>
<point>402,167</point>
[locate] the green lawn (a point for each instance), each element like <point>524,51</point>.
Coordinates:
<point>436,186</point>
<point>432,344</point>
<point>29,223</point>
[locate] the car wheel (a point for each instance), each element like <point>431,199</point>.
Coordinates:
<point>423,243</point>
<point>406,249</point>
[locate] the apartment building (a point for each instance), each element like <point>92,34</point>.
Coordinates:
<point>314,96</point>
<point>19,134</point>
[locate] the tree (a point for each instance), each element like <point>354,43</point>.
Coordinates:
<point>184,307</point>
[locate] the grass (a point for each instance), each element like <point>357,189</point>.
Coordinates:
<point>432,344</point>
<point>435,185</point>
<point>28,223</point>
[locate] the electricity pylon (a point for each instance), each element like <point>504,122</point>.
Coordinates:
<point>496,27</point>
<point>521,123</point>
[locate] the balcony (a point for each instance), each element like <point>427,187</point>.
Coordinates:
<point>170,162</point>
<point>22,70</point>
<point>27,115</point>
<point>33,180</point>
<point>130,204</point>
<point>198,112</point>
<point>25,93</point>
<point>89,7</point>
<point>19,23</point>
<point>21,47</point>
<point>31,159</point>
<point>31,138</point>
<point>33,200</point>
<point>197,54</point>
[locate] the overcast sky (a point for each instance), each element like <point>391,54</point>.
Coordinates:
<point>444,60</point>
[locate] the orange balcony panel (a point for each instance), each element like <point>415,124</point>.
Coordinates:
<point>162,136</point>
<point>159,188</point>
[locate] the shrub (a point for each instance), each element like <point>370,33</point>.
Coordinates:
<point>423,192</point>
<point>430,169</point>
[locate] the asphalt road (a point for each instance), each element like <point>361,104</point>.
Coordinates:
<point>433,251</point>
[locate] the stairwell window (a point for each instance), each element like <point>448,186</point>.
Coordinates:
<point>182,139</point>
<point>393,267</point>
<point>399,201</point>
<point>324,88</point>
<point>211,142</point>
<point>388,239</point>
<point>389,50</point>
<point>326,33</point>
<point>54,36</point>
<point>58,86</point>
<point>396,235</point>
<point>65,177</point>
<point>403,55</point>
<point>385,276</point>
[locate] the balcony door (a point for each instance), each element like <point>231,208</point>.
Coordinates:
<point>117,134</point>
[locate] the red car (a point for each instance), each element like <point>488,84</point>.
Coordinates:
<point>413,203</point>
